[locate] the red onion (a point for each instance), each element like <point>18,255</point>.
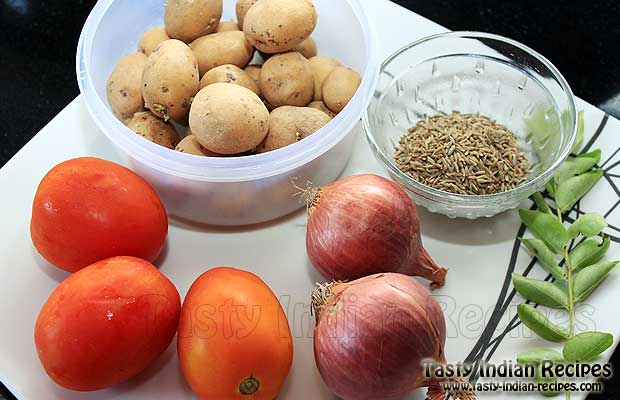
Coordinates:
<point>363,225</point>
<point>372,335</point>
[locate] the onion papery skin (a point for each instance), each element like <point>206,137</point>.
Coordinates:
<point>363,225</point>
<point>372,335</point>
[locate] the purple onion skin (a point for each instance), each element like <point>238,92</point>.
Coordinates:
<point>363,225</point>
<point>373,334</point>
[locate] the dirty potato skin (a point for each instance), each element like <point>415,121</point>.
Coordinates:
<point>228,119</point>
<point>243,6</point>
<point>339,88</point>
<point>287,80</point>
<point>222,48</point>
<point>154,129</point>
<point>191,145</point>
<point>188,20</point>
<point>275,26</point>
<point>124,86</point>
<point>321,67</point>
<point>170,80</point>
<point>226,26</point>
<point>319,105</point>
<point>288,125</point>
<point>229,74</point>
<point>151,39</point>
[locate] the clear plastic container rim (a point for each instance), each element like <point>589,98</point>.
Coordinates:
<point>479,199</point>
<point>232,169</point>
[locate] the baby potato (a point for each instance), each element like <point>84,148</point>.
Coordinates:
<point>187,20</point>
<point>229,73</point>
<point>191,145</point>
<point>154,129</point>
<point>254,72</point>
<point>339,88</point>
<point>151,39</point>
<point>243,6</point>
<point>307,48</point>
<point>209,153</point>
<point>170,80</point>
<point>228,119</point>
<point>227,26</point>
<point>275,26</point>
<point>319,105</point>
<point>288,125</point>
<point>321,67</point>
<point>287,80</point>
<point>124,86</point>
<point>222,48</point>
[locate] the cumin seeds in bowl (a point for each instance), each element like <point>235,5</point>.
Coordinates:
<point>466,154</point>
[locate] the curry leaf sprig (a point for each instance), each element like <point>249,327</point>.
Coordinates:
<point>577,271</point>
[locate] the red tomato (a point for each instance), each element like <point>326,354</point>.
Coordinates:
<point>87,209</point>
<point>234,341</point>
<point>106,323</point>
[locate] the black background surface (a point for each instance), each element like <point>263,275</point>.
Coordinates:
<point>38,41</point>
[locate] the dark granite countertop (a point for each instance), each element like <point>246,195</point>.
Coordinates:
<point>37,73</point>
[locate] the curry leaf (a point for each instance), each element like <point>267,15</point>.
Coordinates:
<point>551,187</point>
<point>539,249</point>
<point>543,128</point>
<point>587,346</point>
<point>538,355</point>
<point>589,278</point>
<point>546,228</point>
<point>588,253</point>
<point>574,166</point>
<point>588,225</point>
<point>541,292</point>
<point>573,189</point>
<point>541,203</point>
<point>580,133</point>
<point>539,324</point>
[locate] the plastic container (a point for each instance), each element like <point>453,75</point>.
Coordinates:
<point>473,72</point>
<point>228,191</point>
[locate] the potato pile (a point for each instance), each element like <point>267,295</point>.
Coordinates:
<point>232,89</point>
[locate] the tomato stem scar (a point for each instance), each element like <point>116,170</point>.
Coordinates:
<point>249,386</point>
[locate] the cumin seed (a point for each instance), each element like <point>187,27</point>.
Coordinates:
<point>462,153</point>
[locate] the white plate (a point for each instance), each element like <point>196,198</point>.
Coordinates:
<point>477,253</point>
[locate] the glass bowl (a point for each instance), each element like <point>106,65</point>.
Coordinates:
<point>473,72</point>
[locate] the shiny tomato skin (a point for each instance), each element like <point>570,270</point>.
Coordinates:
<point>233,337</point>
<point>88,209</point>
<point>106,323</point>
